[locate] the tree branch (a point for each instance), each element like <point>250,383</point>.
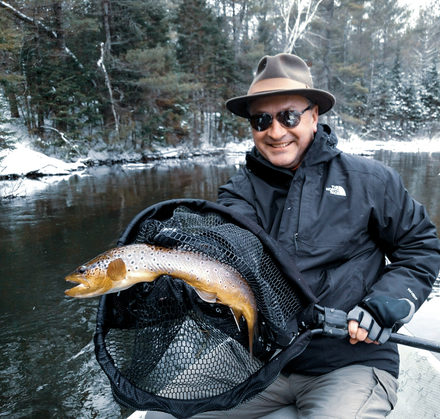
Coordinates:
<point>304,15</point>
<point>37,24</point>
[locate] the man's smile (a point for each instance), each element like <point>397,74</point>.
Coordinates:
<point>281,145</point>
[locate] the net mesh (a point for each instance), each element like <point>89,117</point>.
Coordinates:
<point>165,341</point>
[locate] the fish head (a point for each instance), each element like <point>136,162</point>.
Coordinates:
<point>97,277</point>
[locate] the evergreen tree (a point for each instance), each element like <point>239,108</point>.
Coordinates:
<point>397,103</point>
<point>10,79</point>
<point>6,137</point>
<point>380,120</point>
<point>411,114</point>
<point>430,97</point>
<point>171,64</point>
<point>205,52</point>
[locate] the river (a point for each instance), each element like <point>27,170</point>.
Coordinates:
<point>47,364</point>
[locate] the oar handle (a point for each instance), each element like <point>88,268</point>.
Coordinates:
<point>429,345</point>
<point>333,323</point>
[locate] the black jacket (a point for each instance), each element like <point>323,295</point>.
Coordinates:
<point>338,216</point>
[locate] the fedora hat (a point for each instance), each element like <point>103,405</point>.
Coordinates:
<point>282,74</point>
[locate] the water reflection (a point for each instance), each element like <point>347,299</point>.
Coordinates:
<point>47,364</point>
<point>420,175</point>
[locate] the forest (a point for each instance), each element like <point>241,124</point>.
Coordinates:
<point>134,74</point>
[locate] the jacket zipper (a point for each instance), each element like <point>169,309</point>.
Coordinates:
<point>295,236</point>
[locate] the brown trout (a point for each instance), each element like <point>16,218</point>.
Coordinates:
<point>120,268</point>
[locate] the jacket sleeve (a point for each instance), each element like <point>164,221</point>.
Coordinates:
<point>232,195</point>
<point>402,228</point>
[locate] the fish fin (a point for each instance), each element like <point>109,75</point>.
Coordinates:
<point>116,270</point>
<point>253,335</point>
<point>207,296</point>
<point>237,315</point>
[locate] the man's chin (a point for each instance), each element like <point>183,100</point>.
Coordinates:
<point>285,163</point>
<point>282,157</point>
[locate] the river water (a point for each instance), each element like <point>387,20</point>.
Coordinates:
<point>47,364</point>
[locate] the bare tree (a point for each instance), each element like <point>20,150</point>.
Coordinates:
<point>101,64</point>
<point>296,15</point>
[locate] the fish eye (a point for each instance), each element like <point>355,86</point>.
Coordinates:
<point>81,269</point>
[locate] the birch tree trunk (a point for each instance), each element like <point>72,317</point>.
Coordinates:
<point>106,23</point>
<point>101,64</point>
<point>304,11</point>
<point>326,72</point>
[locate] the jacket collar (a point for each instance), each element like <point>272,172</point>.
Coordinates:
<point>322,150</point>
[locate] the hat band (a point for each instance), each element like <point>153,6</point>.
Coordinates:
<point>277,83</point>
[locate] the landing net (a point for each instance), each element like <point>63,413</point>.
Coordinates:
<point>164,348</point>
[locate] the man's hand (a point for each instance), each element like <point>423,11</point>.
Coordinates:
<point>387,311</point>
<point>358,334</point>
<point>363,328</point>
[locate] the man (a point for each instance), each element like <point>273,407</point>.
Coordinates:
<point>338,216</point>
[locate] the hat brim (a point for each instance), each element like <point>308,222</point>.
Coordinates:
<point>324,100</point>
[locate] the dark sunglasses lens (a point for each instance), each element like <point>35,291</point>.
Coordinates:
<point>290,119</point>
<point>261,122</point>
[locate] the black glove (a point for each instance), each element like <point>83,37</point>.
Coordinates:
<point>388,311</point>
<point>377,315</point>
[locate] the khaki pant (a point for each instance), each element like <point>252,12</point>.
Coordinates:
<point>354,392</point>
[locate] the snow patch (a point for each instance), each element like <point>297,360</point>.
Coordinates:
<point>23,161</point>
<point>357,145</point>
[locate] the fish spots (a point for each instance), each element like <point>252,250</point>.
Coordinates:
<point>220,282</point>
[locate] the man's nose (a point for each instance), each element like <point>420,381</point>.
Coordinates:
<point>276,130</point>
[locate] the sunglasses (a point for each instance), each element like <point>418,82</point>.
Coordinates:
<point>288,119</point>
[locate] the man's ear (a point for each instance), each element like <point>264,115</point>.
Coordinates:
<point>315,117</point>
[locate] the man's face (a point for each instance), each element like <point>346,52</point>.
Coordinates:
<point>284,147</point>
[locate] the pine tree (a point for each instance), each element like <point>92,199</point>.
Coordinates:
<point>397,103</point>
<point>431,97</point>
<point>412,111</point>
<point>205,52</point>
<point>380,120</point>
<point>10,79</point>
<point>6,137</point>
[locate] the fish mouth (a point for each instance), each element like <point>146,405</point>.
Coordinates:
<point>79,289</point>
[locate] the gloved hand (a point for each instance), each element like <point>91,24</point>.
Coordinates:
<point>377,315</point>
<point>375,332</point>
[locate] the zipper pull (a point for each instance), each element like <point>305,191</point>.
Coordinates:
<point>295,236</point>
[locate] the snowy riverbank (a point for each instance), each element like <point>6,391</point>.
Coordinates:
<point>22,164</point>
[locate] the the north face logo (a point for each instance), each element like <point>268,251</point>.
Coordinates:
<point>336,190</point>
